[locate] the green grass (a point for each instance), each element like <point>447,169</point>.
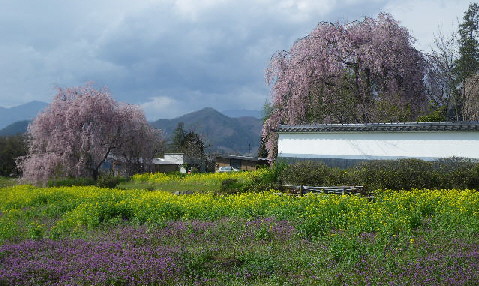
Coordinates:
<point>171,186</point>
<point>259,180</point>
<point>6,182</point>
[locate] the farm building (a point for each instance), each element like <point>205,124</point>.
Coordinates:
<point>171,162</point>
<point>243,163</point>
<point>174,162</point>
<point>346,144</point>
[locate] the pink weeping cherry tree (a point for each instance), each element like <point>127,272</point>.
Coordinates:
<point>80,129</point>
<point>364,71</point>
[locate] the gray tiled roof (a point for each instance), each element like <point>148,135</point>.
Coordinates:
<point>384,127</point>
<point>246,158</point>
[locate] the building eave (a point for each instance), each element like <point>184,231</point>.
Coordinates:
<point>381,127</point>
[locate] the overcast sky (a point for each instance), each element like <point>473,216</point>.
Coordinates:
<point>176,56</point>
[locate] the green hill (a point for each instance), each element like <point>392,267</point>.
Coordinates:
<point>15,128</point>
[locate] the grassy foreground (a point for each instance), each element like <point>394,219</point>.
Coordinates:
<point>5,182</point>
<point>95,236</point>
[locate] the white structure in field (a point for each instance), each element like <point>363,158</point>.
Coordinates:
<point>170,162</point>
<point>422,140</point>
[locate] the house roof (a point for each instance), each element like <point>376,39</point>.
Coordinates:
<point>170,159</point>
<point>240,157</point>
<point>162,161</point>
<point>381,127</point>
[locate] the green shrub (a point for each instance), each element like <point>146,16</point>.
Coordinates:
<point>461,173</point>
<point>266,178</point>
<point>69,182</point>
<point>6,181</point>
<point>313,173</point>
<point>403,174</point>
<point>305,173</point>
<point>109,181</point>
<point>230,186</point>
<point>105,181</point>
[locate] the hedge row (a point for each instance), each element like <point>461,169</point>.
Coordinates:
<point>402,174</point>
<point>106,181</point>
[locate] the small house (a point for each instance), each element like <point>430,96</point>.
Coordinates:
<point>171,162</point>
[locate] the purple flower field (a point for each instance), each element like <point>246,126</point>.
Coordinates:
<point>452,265</point>
<point>235,252</point>
<point>123,256</point>
<point>77,262</point>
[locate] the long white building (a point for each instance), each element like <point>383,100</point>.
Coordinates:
<point>422,140</point>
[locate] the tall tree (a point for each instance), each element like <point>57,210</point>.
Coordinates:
<point>190,144</point>
<point>467,64</point>
<point>178,140</point>
<point>360,72</point>
<point>468,61</point>
<point>80,129</point>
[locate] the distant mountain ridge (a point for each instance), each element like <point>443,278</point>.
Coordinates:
<point>234,113</point>
<point>26,111</point>
<point>222,133</point>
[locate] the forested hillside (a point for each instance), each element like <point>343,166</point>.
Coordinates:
<point>220,132</point>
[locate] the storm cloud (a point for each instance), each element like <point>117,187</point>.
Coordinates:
<point>175,56</point>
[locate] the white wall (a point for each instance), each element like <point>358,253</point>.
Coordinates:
<point>379,145</point>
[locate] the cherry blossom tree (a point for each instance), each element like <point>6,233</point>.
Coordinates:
<point>80,129</point>
<point>364,71</point>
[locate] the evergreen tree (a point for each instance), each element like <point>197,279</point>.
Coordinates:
<point>178,140</point>
<point>190,144</point>
<point>468,62</point>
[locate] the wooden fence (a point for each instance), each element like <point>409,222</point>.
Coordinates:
<point>338,190</point>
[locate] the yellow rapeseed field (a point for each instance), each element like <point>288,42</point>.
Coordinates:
<point>71,209</point>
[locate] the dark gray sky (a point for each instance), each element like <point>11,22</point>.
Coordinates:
<point>176,56</point>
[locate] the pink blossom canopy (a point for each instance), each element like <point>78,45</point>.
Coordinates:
<point>79,130</point>
<point>365,71</point>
